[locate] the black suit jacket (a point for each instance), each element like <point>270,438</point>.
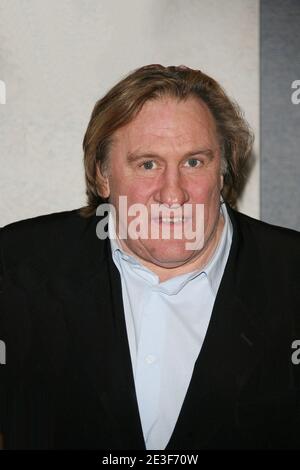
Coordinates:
<point>68,381</point>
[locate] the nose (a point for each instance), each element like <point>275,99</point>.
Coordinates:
<point>171,190</point>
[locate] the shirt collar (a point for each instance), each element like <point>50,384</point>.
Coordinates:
<point>216,265</point>
<point>213,270</point>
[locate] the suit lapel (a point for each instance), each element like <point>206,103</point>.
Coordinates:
<point>93,309</point>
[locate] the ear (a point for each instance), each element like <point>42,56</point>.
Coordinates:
<point>102,184</point>
<point>221,182</point>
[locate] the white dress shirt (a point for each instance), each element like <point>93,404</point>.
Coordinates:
<point>166,325</point>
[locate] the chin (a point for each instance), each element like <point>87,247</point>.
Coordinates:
<point>167,253</point>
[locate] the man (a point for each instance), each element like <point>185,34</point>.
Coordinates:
<point>177,331</point>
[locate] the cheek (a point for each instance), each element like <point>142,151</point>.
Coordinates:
<point>135,191</point>
<point>205,190</point>
<point>141,192</point>
<point>118,185</point>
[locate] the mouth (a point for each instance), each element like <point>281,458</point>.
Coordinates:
<point>170,220</point>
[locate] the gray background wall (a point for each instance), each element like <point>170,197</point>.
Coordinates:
<point>57,57</point>
<point>280,117</point>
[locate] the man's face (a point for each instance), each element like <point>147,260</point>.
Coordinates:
<point>168,155</point>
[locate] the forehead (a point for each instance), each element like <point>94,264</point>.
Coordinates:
<point>168,120</point>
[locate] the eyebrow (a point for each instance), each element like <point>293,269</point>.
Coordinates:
<point>134,156</point>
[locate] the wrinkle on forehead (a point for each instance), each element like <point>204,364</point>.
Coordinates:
<point>171,122</point>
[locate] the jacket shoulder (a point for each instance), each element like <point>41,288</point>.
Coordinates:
<point>48,238</point>
<point>266,232</point>
<point>277,247</point>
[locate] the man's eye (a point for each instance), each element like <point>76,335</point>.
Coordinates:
<point>148,165</point>
<point>193,163</point>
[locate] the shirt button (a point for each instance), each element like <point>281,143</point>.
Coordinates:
<point>150,359</point>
